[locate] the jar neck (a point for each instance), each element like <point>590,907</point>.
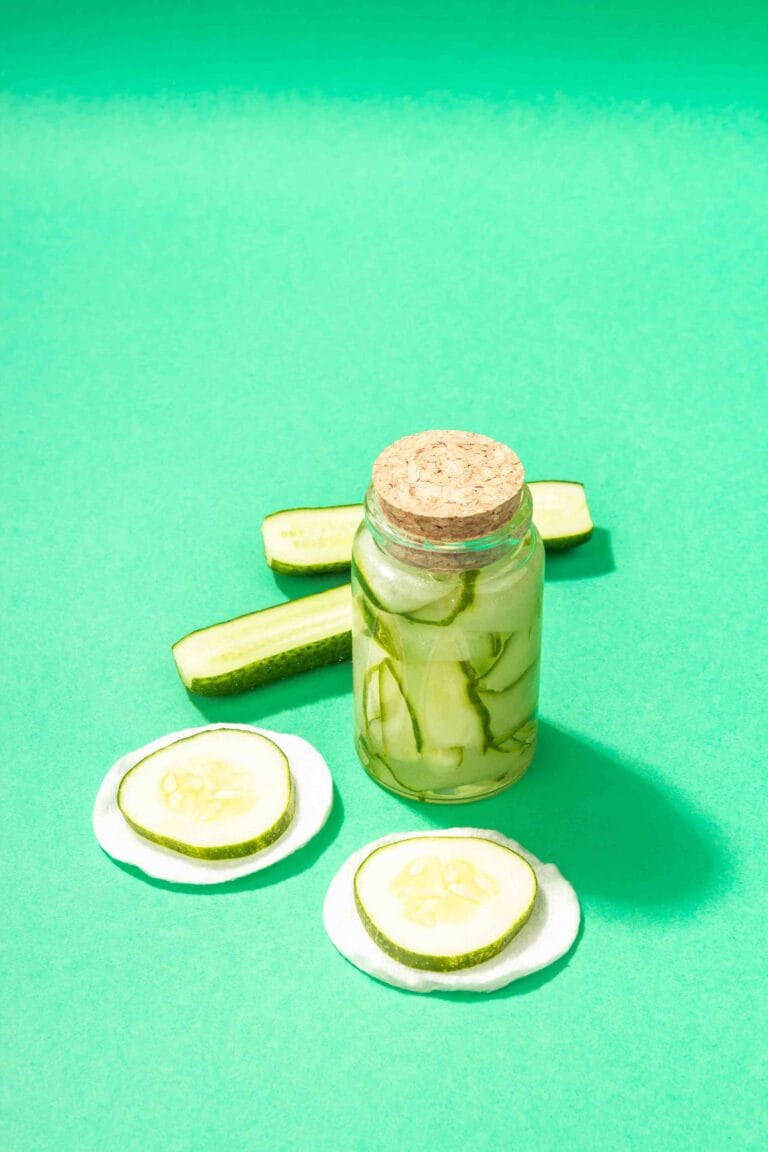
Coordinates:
<point>451,555</point>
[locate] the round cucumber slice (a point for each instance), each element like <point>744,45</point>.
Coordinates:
<point>444,902</point>
<point>547,935</point>
<point>313,793</point>
<point>217,795</point>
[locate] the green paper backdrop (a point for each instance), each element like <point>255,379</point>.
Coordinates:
<point>242,251</point>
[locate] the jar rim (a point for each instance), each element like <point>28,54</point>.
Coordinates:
<point>474,552</point>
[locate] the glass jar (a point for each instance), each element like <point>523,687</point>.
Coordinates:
<point>446,650</point>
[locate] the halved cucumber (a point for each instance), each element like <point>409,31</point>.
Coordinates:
<point>308,540</point>
<point>250,650</point>
<point>443,903</point>
<point>313,540</point>
<point>217,795</point>
<point>561,512</point>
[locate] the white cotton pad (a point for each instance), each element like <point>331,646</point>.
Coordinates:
<point>547,935</point>
<point>314,799</point>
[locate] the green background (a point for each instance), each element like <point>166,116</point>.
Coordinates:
<point>242,251</point>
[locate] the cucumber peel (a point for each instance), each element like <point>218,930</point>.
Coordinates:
<point>216,795</point>
<point>267,645</point>
<point>444,903</point>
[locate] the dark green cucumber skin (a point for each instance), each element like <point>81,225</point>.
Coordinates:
<point>332,650</point>
<point>307,569</point>
<point>425,963</point>
<point>568,542</point>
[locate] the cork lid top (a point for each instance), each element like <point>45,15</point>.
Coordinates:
<point>442,486</point>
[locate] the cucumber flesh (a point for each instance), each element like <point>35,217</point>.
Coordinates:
<point>217,795</point>
<point>443,903</point>
<point>309,540</point>
<point>561,512</point>
<point>263,646</point>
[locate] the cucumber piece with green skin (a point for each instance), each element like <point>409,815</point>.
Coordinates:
<point>217,795</point>
<point>397,587</point>
<point>512,708</point>
<point>561,513</point>
<point>417,643</point>
<point>443,903</point>
<point>310,540</point>
<point>401,737</point>
<point>439,697</point>
<point>268,645</point>
<point>440,613</point>
<point>519,652</point>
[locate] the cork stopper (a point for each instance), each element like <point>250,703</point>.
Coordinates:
<point>448,486</point>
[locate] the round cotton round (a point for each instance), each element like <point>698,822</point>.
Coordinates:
<point>548,934</point>
<point>313,801</point>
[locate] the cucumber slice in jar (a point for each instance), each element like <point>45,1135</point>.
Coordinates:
<point>512,708</point>
<point>216,795</point>
<point>396,587</point>
<point>561,512</point>
<point>401,736</point>
<point>440,613</point>
<point>519,652</point>
<point>443,903</point>
<point>448,718</point>
<point>310,540</point>
<point>268,645</point>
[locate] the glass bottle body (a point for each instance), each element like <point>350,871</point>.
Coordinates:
<point>446,654</point>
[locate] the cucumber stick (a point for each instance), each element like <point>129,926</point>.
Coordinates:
<point>217,795</point>
<point>311,540</point>
<point>263,646</point>
<point>443,903</point>
<point>308,540</point>
<point>561,513</point>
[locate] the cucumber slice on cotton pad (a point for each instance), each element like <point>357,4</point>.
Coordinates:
<point>215,795</point>
<point>561,513</point>
<point>548,934</point>
<point>313,797</point>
